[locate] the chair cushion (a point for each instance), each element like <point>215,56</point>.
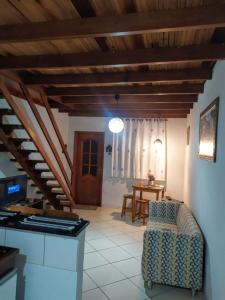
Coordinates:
<point>161,226</point>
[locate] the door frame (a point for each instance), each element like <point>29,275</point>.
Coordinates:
<point>75,159</point>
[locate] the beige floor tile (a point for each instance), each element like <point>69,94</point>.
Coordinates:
<point>88,283</point>
<point>122,239</point>
<point>129,267</point>
<point>94,259</point>
<point>123,290</point>
<point>105,275</point>
<point>103,243</point>
<point>138,281</point>
<point>137,235</point>
<point>96,294</point>
<point>88,248</point>
<point>114,254</point>
<point>101,226</point>
<point>135,249</point>
<point>93,235</point>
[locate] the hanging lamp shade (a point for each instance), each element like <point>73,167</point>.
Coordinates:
<point>158,144</point>
<point>116,125</point>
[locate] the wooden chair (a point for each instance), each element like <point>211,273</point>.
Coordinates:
<point>124,207</point>
<point>142,210</point>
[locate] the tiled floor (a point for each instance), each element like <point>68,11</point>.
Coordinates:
<point>112,263</point>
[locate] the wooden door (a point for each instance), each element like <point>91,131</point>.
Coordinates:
<point>88,167</point>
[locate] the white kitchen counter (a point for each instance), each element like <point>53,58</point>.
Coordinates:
<point>50,267</point>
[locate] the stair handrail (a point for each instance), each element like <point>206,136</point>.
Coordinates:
<point>35,139</point>
<point>56,128</point>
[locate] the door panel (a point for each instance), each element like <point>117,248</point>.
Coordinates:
<point>88,164</point>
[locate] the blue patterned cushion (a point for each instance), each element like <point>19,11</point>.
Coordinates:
<point>163,211</point>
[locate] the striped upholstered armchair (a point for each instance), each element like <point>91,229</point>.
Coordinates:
<point>173,247</point>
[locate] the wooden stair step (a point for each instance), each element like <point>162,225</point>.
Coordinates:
<point>61,197</point>
<point>8,128</point>
<point>13,159</point>
<point>33,162</point>
<point>57,191</point>
<point>19,141</point>
<point>36,161</point>
<point>51,185</point>
<point>46,178</point>
<point>41,170</point>
<point>27,152</point>
<point>6,112</point>
<point>65,203</point>
<point>34,199</point>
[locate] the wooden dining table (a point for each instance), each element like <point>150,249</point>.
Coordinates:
<point>156,189</point>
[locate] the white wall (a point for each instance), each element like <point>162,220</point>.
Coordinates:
<point>176,145</point>
<point>204,188</point>
<point>113,189</point>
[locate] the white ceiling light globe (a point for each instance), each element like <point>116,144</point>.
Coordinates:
<point>116,125</point>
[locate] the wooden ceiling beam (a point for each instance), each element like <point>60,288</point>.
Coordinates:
<point>85,10</point>
<point>211,52</point>
<point>119,25</point>
<point>128,115</point>
<point>120,112</point>
<point>128,90</point>
<point>133,114</point>
<point>132,106</point>
<point>120,77</point>
<point>129,99</point>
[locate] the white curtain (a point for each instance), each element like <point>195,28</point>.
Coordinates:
<point>135,152</point>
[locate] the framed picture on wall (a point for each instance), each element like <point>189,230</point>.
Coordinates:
<point>208,131</point>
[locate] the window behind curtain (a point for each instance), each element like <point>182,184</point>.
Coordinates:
<point>135,151</point>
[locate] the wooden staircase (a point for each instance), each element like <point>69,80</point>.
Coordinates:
<point>40,169</point>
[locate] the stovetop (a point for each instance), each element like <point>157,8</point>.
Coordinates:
<point>53,225</point>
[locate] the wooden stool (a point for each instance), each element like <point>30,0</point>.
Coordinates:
<point>143,207</point>
<point>124,207</point>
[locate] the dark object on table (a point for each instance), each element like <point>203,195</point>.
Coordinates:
<point>42,223</point>
<point>13,190</point>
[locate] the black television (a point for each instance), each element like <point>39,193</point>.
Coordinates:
<point>13,190</point>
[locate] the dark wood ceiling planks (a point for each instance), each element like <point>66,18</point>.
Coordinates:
<point>180,54</point>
